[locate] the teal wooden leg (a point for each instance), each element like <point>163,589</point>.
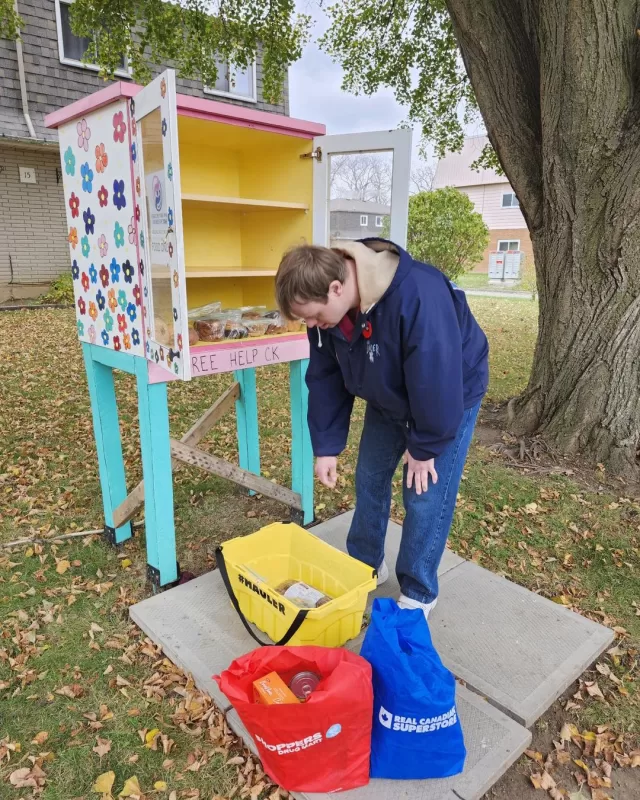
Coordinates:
<point>247,421</point>
<point>158,482</point>
<point>301,451</point>
<point>108,444</point>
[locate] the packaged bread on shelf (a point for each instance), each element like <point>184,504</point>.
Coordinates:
<point>209,330</point>
<point>253,312</point>
<point>256,327</point>
<point>277,323</point>
<point>194,338</point>
<point>204,312</point>
<point>234,329</point>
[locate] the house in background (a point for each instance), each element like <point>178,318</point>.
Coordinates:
<point>492,197</point>
<point>38,75</point>
<point>356,219</point>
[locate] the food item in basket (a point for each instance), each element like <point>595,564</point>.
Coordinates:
<point>303,684</point>
<point>210,330</point>
<point>271,690</point>
<point>203,312</point>
<point>253,312</point>
<point>275,314</point>
<point>256,327</point>
<point>302,595</point>
<point>235,330</point>
<point>193,336</point>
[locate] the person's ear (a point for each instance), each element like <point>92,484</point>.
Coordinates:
<point>336,289</point>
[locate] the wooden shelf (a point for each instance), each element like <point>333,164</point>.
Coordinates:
<point>230,272</point>
<point>243,202</point>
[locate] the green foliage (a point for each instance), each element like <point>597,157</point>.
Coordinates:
<point>193,35</point>
<point>61,290</point>
<point>411,48</point>
<point>444,230</point>
<point>10,22</point>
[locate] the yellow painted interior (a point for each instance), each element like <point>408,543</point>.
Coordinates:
<point>222,160</point>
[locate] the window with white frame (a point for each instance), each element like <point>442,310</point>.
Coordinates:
<point>379,222</point>
<point>364,220</point>
<point>509,200</point>
<point>508,244</point>
<point>236,83</point>
<point>72,48</point>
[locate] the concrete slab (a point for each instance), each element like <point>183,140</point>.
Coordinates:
<point>335,530</point>
<point>197,628</point>
<point>516,648</point>
<point>494,742</point>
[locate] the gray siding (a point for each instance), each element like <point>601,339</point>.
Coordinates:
<point>51,85</point>
<point>346,225</point>
<point>33,234</point>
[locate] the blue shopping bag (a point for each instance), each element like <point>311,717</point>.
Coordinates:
<point>416,730</point>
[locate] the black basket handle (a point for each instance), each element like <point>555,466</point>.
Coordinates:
<point>294,627</point>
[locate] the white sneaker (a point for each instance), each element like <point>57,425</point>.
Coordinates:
<point>408,604</point>
<point>383,573</point>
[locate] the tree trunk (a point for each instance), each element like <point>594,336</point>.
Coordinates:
<point>558,86</point>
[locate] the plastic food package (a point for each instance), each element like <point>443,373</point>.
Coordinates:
<point>233,329</point>
<point>257,327</point>
<point>277,323</point>
<point>295,325</point>
<point>302,595</point>
<point>194,338</point>
<point>203,312</point>
<point>253,312</point>
<point>209,330</point>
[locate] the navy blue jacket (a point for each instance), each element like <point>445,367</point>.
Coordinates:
<point>424,363</point>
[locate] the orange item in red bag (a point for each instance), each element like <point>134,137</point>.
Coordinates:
<point>271,690</point>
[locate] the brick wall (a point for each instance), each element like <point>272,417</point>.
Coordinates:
<point>510,234</point>
<point>33,240</point>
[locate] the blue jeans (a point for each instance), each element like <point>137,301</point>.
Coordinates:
<point>428,516</point>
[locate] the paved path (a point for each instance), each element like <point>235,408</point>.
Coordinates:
<point>508,293</point>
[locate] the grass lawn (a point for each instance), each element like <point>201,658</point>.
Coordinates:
<point>81,691</point>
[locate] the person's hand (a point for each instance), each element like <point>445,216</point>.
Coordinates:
<point>326,470</point>
<point>418,472</point>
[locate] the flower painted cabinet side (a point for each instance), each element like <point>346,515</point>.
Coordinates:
<point>102,228</point>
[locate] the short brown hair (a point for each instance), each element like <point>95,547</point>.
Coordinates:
<point>305,274</point>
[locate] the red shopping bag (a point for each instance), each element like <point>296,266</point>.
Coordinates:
<point>323,745</point>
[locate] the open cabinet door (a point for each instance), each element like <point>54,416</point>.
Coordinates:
<point>361,186</point>
<point>156,167</point>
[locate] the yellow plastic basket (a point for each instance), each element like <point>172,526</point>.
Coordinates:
<point>253,565</point>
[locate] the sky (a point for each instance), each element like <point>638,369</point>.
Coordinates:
<point>315,93</point>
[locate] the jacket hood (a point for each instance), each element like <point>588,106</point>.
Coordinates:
<point>376,263</point>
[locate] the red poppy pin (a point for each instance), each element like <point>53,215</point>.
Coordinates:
<point>367,330</point>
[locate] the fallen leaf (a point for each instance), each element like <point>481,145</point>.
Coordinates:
<point>160,786</point>
<point>600,794</point>
<point>21,779</point>
<point>563,758</point>
<point>62,566</point>
<point>126,562</point>
<point>120,681</point>
<point>635,760</point>
<point>102,747</point>
<point>594,690</point>
<point>150,738</point>
<point>568,731</point>
<point>131,787</point>
<point>534,756</point>
<point>237,760</point>
<point>40,738</point>
<point>133,759</point>
<point>579,763</point>
<point>577,796</point>
<point>104,783</point>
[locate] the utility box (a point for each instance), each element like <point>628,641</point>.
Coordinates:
<point>505,266</point>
